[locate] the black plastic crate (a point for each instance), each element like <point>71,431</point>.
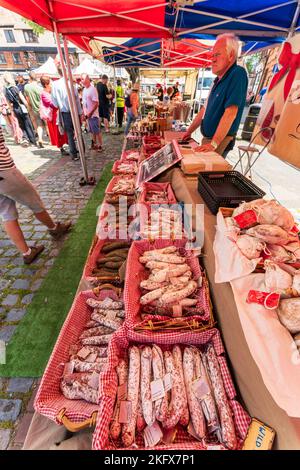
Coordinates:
<point>226,189</point>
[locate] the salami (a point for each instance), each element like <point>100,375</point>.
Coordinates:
<point>96,331</point>
<point>194,406</point>
<point>176,406</point>
<point>161,405</point>
<point>128,430</point>
<point>146,365</point>
<point>106,304</point>
<point>97,340</point>
<point>207,402</point>
<point>176,295</point>
<point>77,390</point>
<point>122,372</point>
<point>227,425</point>
<point>177,356</point>
<point>140,421</point>
<point>84,366</point>
<point>107,322</point>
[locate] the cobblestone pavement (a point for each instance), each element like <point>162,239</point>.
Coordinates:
<point>57,181</point>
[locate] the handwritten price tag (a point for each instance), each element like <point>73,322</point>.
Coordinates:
<point>246,219</point>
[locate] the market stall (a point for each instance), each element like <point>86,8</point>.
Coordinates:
<point>140,357</point>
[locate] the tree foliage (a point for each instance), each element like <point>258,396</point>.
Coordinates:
<point>133,73</point>
<point>37,29</point>
<point>252,61</point>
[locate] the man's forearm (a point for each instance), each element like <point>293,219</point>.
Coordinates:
<point>225,124</point>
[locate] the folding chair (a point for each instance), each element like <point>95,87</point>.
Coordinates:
<point>252,152</point>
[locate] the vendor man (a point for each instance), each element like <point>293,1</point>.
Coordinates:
<point>221,116</point>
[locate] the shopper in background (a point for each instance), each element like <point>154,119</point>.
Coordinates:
<point>32,92</point>
<point>132,107</point>
<point>15,187</point>
<point>19,106</point>
<point>120,102</point>
<point>111,101</point>
<point>220,120</point>
<point>167,97</point>
<point>21,83</point>
<point>49,114</point>
<point>59,97</point>
<point>90,103</point>
<point>10,118</point>
<point>159,92</point>
<point>104,99</point>
<point>175,91</point>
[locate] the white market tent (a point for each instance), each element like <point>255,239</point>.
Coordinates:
<point>48,68</point>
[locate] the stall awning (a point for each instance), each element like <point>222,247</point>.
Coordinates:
<point>260,21</point>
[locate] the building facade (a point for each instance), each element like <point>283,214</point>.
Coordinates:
<point>21,50</point>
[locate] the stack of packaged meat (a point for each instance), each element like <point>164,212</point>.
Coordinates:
<point>161,390</point>
<point>89,355</point>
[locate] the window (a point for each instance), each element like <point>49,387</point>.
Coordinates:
<point>16,58</point>
<point>2,59</point>
<point>42,58</point>
<point>30,36</point>
<point>9,35</point>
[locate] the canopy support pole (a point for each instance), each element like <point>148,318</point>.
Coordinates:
<point>115,108</point>
<point>73,110</point>
<point>294,22</point>
<point>76,121</point>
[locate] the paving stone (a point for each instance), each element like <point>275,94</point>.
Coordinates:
<point>27,299</point>
<point>41,228</point>
<point>50,262</point>
<point>6,333</point>
<point>4,284</point>
<point>38,235</point>
<point>23,428</point>
<point>53,253</point>
<point>18,261</point>
<point>36,285</point>
<point>27,228</point>
<point>19,384</point>
<point>16,272</point>
<point>5,261</point>
<point>11,252</point>
<point>43,273</point>
<point>4,243</point>
<point>9,409</point>
<point>15,314</point>
<point>27,235</point>
<point>4,438</point>
<point>21,284</point>
<point>10,300</point>
<point>2,382</point>
<point>30,408</point>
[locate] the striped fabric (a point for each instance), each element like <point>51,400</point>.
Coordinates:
<point>6,162</point>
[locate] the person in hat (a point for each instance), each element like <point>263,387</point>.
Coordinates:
<point>176,91</point>
<point>132,107</point>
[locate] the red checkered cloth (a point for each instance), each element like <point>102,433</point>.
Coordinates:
<point>116,167</point>
<point>118,349</point>
<point>94,255</point>
<point>132,154</point>
<point>138,273</point>
<point>49,400</point>
<point>114,181</point>
<point>157,187</point>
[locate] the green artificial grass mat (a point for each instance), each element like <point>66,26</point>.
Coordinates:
<point>31,345</point>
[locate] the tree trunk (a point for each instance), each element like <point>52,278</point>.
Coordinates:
<point>133,74</point>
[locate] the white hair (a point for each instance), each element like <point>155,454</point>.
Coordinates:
<point>232,42</point>
<point>9,79</point>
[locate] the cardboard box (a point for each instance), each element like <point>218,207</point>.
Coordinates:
<point>195,162</point>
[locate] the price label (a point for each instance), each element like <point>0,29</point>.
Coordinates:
<point>68,369</point>
<point>125,413</point>
<point>157,389</point>
<point>167,382</point>
<point>267,299</point>
<point>152,435</point>
<point>200,388</point>
<point>94,381</point>
<point>122,392</point>
<point>246,219</point>
<point>83,353</point>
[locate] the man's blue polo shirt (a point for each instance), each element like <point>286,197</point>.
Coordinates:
<point>230,90</point>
